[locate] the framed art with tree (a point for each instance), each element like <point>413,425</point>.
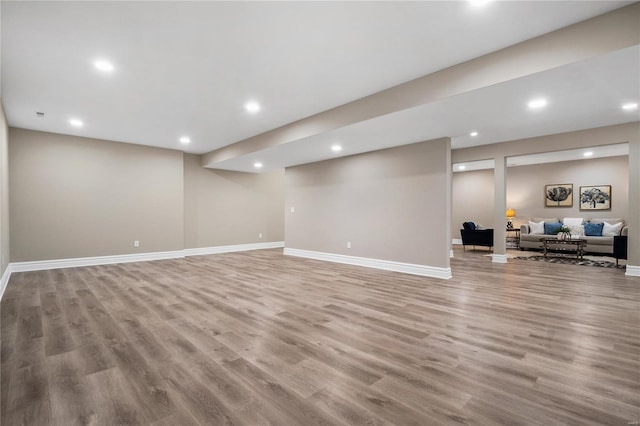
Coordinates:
<point>595,197</point>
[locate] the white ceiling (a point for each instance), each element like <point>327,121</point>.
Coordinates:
<point>187,68</point>
<point>582,95</point>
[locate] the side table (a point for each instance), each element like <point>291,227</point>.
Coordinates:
<point>513,241</point>
<point>620,247</point>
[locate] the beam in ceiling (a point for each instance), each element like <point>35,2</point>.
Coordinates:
<point>612,31</point>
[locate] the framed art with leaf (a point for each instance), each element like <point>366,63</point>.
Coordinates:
<point>595,197</point>
<point>558,195</point>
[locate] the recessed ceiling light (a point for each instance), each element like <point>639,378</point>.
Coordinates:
<point>185,140</point>
<point>104,66</point>
<point>336,148</point>
<point>630,106</point>
<point>257,165</point>
<point>537,103</point>
<point>462,167</point>
<point>252,106</point>
<point>588,154</point>
<point>473,134</point>
<point>76,123</point>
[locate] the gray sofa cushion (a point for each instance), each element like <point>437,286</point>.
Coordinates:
<point>599,241</point>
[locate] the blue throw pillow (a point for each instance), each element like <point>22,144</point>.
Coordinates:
<point>593,229</point>
<point>551,228</point>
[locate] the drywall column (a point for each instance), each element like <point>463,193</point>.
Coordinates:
<point>449,199</point>
<point>500,206</point>
<point>633,261</point>
<point>4,197</point>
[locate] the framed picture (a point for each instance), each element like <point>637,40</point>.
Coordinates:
<point>595,197</point>
<point>558,195</point>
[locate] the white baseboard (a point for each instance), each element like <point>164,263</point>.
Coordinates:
<point>40,265</point>
<point>5,280</point>
<point>499,258</point>
<point>126,258</point>
<point>456,241</point>
<point>633,271</point>
<point>229,249</point>
<point>407,268</point>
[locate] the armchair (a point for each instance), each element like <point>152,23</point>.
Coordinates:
<point>476,237</point>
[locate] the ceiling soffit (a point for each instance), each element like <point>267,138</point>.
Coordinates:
<point>591,38</point>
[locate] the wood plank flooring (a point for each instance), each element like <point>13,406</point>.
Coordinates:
<point>258,338</point>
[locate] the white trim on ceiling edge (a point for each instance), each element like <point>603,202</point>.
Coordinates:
<point>633,271</point>
<point>407,268</point>
<point>126,258</point>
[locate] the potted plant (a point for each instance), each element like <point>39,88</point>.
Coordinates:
<point>564,233</point>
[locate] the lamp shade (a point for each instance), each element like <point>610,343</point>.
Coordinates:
<point>511,213</point>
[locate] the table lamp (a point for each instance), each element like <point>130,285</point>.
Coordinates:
<point>511,213</point>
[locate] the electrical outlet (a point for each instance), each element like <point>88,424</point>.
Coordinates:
<point>348,244</point>
<point>293,210</point>
<point>260,235</point>
<point>136,243</point>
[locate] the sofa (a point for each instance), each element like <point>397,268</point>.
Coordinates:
<point>473,235</point>
<point>587,230</point>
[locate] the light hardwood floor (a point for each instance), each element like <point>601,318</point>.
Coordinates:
<point>259,338</point>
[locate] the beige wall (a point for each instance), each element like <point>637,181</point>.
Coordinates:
<point>525,187</point>
<point>525,190</point>
<point>75,197</point>
<point>4,191</point>
<point>226,208</point>
<point>472,194</point>
<point>390,204</point>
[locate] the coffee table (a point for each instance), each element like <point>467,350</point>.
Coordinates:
<point>573,245</point>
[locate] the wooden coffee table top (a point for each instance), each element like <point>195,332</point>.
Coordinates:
<point>566,241</point>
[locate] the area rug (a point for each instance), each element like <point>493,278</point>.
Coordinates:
<point>587,261</point>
